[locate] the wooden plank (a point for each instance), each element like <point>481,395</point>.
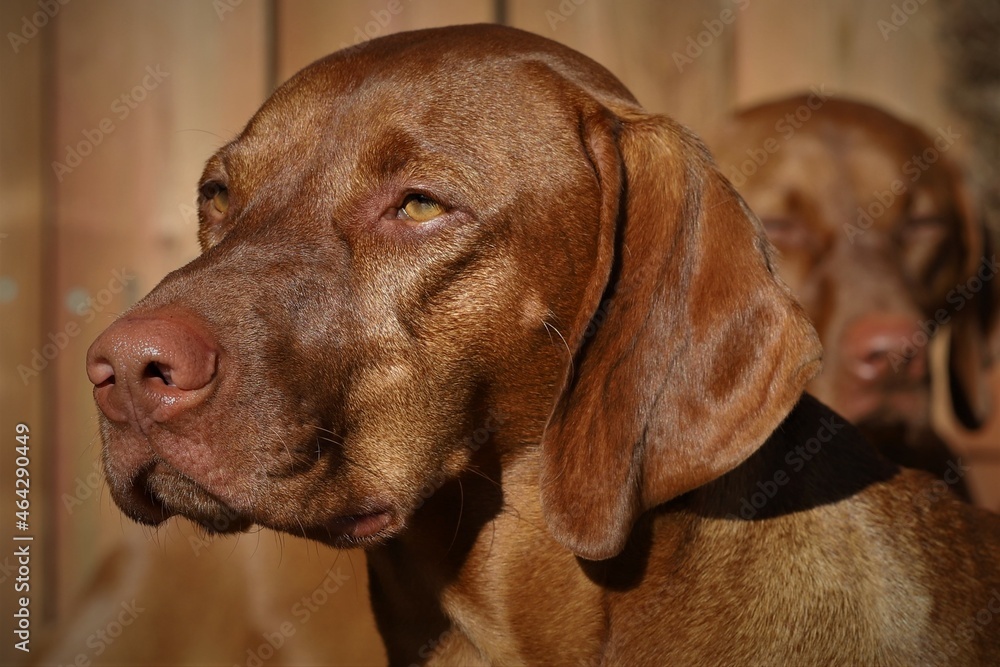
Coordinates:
<point>22,208</point>
<point>872,51</point>
<point>674,57</point>
<point>133,122</point>
<point>310,29</point>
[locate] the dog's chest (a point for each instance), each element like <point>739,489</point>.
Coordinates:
<point>526,600</point>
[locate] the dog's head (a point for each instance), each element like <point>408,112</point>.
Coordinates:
<point>433,238</point>
<point>878,239</point>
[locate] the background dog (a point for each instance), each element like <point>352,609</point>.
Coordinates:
<point>880,243</point>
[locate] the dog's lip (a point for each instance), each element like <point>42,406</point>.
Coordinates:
<point>173,493</point>
<point>346,531</point>
<point>158,492</point>
<point>361,526</point>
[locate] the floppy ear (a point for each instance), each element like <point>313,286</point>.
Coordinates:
<point>965,367</point>
<point>973,322</point>
<point>689,352</point>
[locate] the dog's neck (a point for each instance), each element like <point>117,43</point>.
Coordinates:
<point>478,577</point>
<point>448,584</point>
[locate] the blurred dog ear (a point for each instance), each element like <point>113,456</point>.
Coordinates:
<point>972,329</point>
<point>689,351</point>
<point>965,355</point>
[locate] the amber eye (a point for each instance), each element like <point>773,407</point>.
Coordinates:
<point>217,195</point>
<point>420,208</point>
<point>221,201</point>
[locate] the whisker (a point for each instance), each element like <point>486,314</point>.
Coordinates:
<point>461,510</point>
<point>277,434</point>
<point>346,458</point>
<point>569,353</point>
<point>489,479</point>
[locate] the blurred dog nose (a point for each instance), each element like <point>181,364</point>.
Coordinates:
<point>155,366</point>
<point>886,349</point>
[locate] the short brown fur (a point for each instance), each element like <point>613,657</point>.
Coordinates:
<point>551,412</point>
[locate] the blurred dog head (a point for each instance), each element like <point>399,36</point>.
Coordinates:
<point>877,238</point>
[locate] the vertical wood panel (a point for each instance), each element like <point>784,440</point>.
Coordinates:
<point>135,117</point>
<point>201,69</point>
<point>873,51</point>
<point>311,29</point>
<point>21,237</point>
<point>651,46</point>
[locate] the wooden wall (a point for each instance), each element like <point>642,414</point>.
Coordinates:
<point>109,109</point>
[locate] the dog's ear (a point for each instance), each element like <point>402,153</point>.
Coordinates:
<point>973,330</point>
<point>965,355</point>
<point>689,352</point>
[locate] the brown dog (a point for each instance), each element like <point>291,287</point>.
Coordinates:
<point>877,240</point>
<point>464,302</point>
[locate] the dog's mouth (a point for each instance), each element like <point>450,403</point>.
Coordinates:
<point>158,493</point>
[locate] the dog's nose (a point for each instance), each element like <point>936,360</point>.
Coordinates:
<point>154,366</point>
<point>887,349</point>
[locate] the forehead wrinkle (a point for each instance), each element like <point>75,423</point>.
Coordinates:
<point>437,164</point>
<point>391,125</point>
<point>410,158</point>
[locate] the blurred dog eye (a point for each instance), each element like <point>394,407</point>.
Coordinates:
<point>420,208</point>
<point>923,228</point>
<point>217,195</point>
<point>786,232</point>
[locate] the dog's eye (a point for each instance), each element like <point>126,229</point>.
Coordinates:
<point>786,232</point>
<point>221,201</point>
<point>217,195</point>
<point>925,228</point>
<point>420,208</point>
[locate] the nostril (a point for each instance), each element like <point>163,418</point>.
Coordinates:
<point>158,371</point>
<point>874,357</point>
<point>872,365</point>
<point>156,366</point>
<point>108,398</point>
<point>101,373</point>
<point>881,349</point>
